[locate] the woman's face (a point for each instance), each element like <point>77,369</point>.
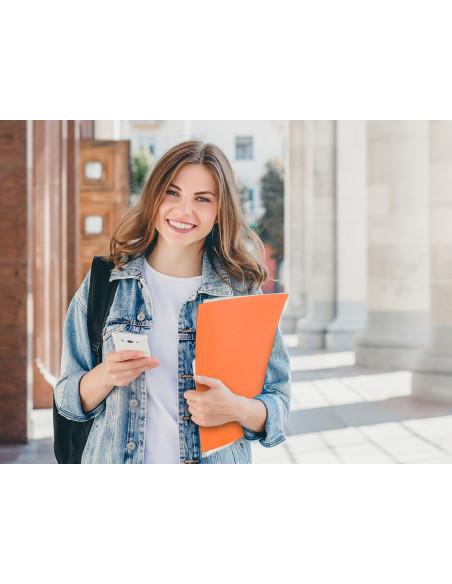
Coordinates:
<point>189,208</point>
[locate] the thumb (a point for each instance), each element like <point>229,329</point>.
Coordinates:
<point>203,380</point>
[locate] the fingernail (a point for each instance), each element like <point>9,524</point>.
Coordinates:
<point>140,354</point>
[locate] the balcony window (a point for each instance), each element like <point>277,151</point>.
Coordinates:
<point>244,148</point>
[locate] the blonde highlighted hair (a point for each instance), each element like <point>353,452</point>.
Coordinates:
<point>230,238</point>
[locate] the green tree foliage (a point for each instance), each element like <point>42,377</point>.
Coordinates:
<point>271,225</point>
<point>142,164</point>
<point>242,191</point>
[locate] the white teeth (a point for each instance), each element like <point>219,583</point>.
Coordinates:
<point>180,225</point>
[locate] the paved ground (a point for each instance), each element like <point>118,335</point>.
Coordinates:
<point>340,413</point>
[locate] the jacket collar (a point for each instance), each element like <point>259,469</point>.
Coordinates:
<point>210,282</point>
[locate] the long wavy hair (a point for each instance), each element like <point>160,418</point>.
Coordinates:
<point>230,241</point>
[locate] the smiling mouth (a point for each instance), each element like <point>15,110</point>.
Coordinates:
<point>187,226</point>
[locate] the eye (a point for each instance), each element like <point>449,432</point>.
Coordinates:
<point>202,199</point>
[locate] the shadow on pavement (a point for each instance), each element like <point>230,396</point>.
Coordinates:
<point>394,409</point>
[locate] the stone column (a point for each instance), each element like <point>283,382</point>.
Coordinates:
<point>15,331</point>
<point>107,129</point>
<point>298,173</point>
<point>432,370</point>
<point>398,270</point>
<point>351,243</point>
<point>319,237</point>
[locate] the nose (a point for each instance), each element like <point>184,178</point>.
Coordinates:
<point>185,207</point>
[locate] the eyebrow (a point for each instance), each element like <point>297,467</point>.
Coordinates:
<point>199,193</point>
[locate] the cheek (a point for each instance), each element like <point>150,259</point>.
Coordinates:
<point>211,215</point>
<point>163,210</point>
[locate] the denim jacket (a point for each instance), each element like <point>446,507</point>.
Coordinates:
<point>118,431</point>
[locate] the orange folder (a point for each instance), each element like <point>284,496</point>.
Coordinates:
<point>234,341</point>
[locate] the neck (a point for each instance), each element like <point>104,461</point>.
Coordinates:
<point>181,262</point>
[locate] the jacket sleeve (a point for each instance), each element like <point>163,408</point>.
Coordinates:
<point>275,394</point>
<point>76,359</point>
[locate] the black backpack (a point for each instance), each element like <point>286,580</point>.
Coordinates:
<point>70,437</point>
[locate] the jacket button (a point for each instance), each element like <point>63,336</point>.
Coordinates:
<point>140,285</point>
<point>141,316</point>
<point>133,403</point>
<point>131,446</point>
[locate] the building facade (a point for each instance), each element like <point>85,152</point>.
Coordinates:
<point>368,244</point>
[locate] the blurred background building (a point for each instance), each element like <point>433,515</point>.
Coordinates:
<point>355,216</point>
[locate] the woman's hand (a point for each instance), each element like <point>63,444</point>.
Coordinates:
<point>213,407</point>
<point>122,367</point>
<point>118,369</point>
<point>219,405</point>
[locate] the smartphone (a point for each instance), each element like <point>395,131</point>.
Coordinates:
<point>132,342</point>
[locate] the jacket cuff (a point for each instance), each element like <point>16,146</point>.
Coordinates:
<point>273,433</point>
<point>68,402</point>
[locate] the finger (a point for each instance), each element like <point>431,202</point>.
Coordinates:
<point>143,369</point>
<point>193,411</point>
<point>125,355</point>
<point>153,365</point>
<point>125,378</point>
<point>133,364</point>
<point>203,380</point>
<point>191,394</point>
<point>145,364</point>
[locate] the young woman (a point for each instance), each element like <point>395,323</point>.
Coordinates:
<point>184,242</point>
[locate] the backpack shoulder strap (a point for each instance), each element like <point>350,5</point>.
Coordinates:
<point>100,298</point>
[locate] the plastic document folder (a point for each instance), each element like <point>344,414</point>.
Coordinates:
<point>234,341</point>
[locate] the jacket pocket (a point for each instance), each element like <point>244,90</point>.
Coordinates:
<point>112,327</point>
<point>107,340</point>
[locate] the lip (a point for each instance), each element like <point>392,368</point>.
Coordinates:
<point>181,230</point>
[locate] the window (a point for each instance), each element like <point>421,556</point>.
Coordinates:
<point>93,170</point>
<point>94,224</point>
<point>244,148</point>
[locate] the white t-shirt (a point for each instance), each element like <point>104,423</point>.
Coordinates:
<point>168,294</point>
